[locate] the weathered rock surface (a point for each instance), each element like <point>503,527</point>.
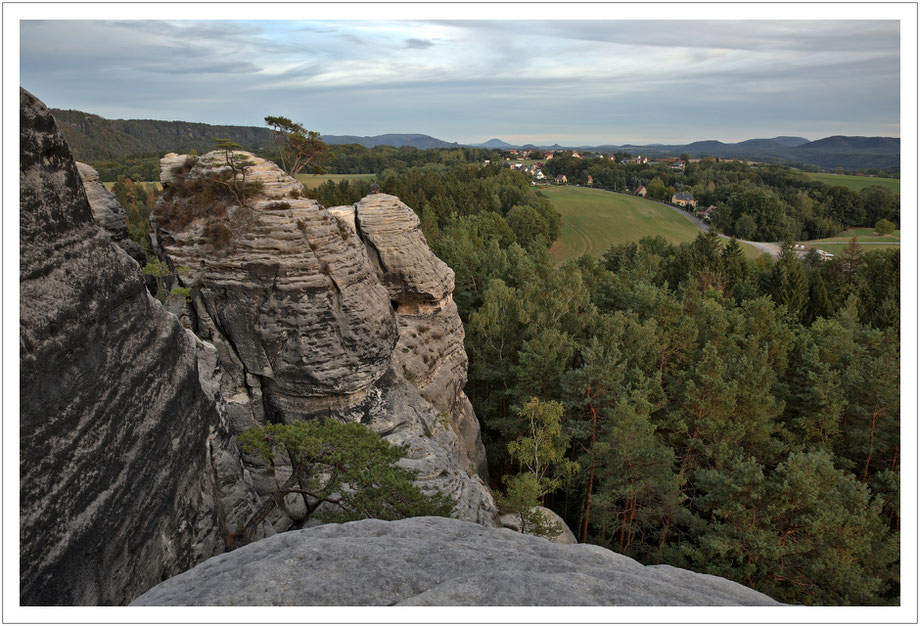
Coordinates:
<point>120,444</point>
<point>413,275</point>
<point>565,536</point>
<point>307,322</point>
<point>108,212</point>
<point>435,561</point>
<point>430,352</point>
<point>302,320</point>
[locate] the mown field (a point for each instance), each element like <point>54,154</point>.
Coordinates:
<point>866,236</point>
<point>312,181</point>
<point>857,183</point>
<point>155,183</point>
<point>593,219</point>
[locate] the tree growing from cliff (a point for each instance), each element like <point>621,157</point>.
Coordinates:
<point>297,146</point>
<point>234,179</point>
<point>343,471</point>
<point>160,270</point>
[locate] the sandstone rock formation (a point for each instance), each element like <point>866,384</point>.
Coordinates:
<point>435,561</point>
<point>125,465</point>
<point>108,213</point>
<point>430,352</point>
<point>303,320</point>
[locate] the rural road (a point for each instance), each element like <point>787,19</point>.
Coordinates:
<point>769,248</point>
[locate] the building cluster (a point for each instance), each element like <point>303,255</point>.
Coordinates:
<point>801,251</point>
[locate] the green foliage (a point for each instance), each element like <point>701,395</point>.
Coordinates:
<point>160,271</point>
<point>297,147</point>
<point>346,468</point>
<point>884,227</point>
<point>522,496</point>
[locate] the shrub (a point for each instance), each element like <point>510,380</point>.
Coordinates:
<point>345,465</point>
<point>218,234</point>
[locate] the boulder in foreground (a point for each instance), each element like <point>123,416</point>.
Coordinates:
<point>435,561</point>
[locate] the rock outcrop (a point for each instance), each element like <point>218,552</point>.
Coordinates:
<point>310,310</point>
<point>108,212</point>
<point>435,561</point>
<point>125,464</point>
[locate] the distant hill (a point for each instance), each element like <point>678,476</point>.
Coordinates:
<point>422,142</point>
<point>828,153</point>
<point>94,138</point>
<point>790,142</point>
<point>493,143</point>
<point>850,152</point>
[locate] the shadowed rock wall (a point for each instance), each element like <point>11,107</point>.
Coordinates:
<point>119,488</point>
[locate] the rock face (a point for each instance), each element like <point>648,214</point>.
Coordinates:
<point>430,351</point>
<point>310,311</point>
<point>435,561</point>
<point>125,465</point>
<point>108,213</point>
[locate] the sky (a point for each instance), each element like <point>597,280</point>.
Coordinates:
<point>572,82</point>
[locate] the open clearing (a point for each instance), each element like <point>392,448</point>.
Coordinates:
<point>155,183</point>
<point>312,181</point>
<point>857,183</point>
<point>593,220</point>
<point>866,237</point>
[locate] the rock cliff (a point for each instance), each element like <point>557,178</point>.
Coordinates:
<point>108,213</point>
<point>435,561</point>
<point>125,464</point>
<point>343,313</point>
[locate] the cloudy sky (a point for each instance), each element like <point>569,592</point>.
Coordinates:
<point>572,82</point>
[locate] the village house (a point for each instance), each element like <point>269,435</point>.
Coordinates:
<point>575,155</point>
<point>548,156</point>
<point>706,215</point>
<point>590,180</point>
<point>561,179</point>
<point>641,191</point>
<point>683,198</point>
<point>539,175</point>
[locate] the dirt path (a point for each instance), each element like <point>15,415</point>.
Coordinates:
<point>769,248</point>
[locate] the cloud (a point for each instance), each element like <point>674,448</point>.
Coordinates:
<point>601,79</point>
<point>419,44</point>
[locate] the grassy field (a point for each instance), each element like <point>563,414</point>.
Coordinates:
<point>856,183</point>
<point>592,220</point>
<point>838,242</point>
<point>156,183</point>
<point>312,181</point>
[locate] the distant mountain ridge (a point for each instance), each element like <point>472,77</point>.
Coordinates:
<point>94,138</point>
<point>423,142</point>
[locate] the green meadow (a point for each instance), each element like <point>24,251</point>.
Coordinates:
<point>867,236</point>
<point>857,183</point>
<point>312,181</point>
<point>593,220</point>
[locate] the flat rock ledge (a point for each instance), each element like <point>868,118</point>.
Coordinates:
<point>433,561</point>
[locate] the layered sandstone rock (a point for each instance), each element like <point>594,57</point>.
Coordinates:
<point>303,320</point>
<point>431,561</point>
<point>108,212</point>
<point>128,476</point>
<point>430,352</point>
